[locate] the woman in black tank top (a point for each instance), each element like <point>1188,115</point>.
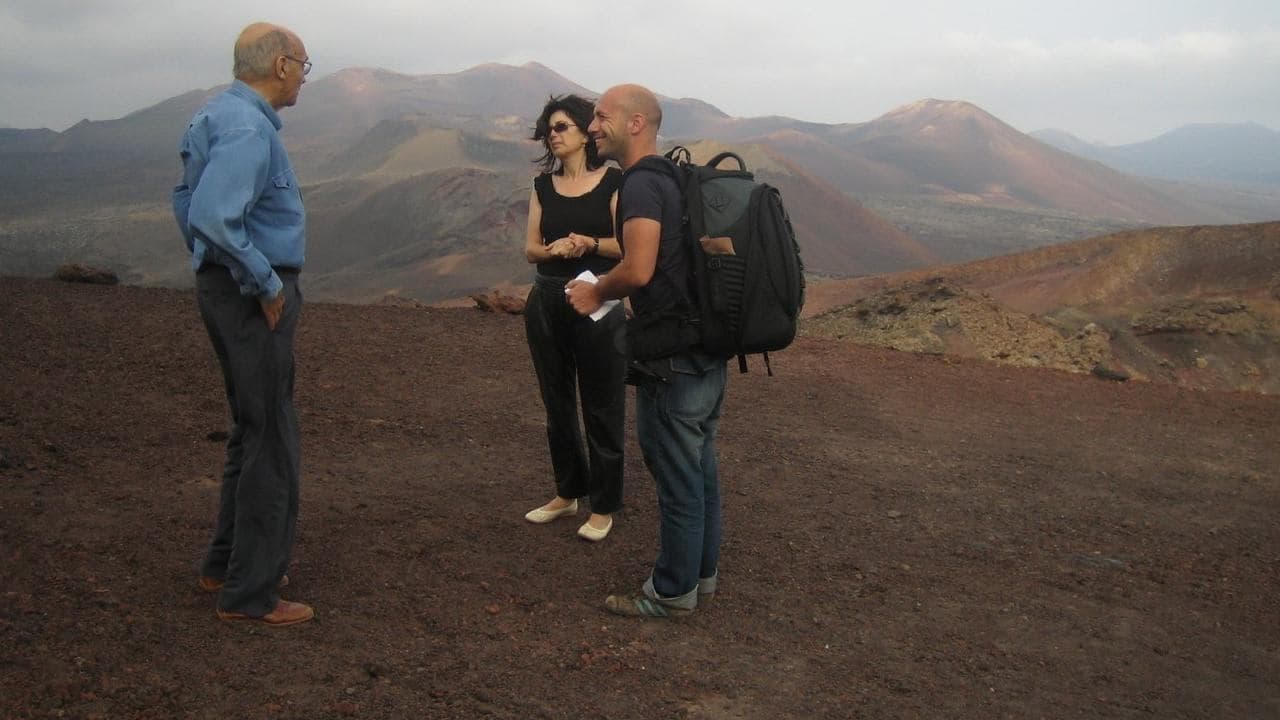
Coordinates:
<point>570,231</point>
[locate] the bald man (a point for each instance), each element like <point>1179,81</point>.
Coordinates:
<point>680,389</point>
<point>240,210</point>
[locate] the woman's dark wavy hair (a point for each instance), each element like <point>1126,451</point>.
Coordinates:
<point>581,111</point>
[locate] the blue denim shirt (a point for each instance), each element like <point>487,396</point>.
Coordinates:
<point>239,203</point>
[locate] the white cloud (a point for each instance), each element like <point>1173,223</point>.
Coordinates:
<point>1106,70</point>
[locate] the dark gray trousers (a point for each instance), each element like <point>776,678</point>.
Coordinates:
<point>571,352</point>
<point>254,537</point>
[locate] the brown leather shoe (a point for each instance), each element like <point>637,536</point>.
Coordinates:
<point>212,585</point>
<point>285,613</point>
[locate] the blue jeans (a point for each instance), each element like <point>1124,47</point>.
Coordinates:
<point>676,424</point>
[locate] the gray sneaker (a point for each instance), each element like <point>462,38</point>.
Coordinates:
<point>641,606</point>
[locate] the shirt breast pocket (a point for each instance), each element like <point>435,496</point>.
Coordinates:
<point>283,198</point>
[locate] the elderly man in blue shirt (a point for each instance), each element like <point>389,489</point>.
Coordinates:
<point>240,209</point>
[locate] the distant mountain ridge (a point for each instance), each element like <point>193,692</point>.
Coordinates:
<point>1220,152</point>
<point>15,140</point>
<point>377,151</point>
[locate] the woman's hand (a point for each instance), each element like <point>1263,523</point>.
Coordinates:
<point>562,248</point>
<point>583,244</point>
<point>572,246</point>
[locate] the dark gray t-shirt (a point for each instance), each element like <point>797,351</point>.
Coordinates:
<point>653,194</point>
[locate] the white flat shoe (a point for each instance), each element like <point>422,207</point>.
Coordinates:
<point>542,515</point>
<point>587,532</point>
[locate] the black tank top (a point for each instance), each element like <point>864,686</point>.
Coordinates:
<point>586,215</point>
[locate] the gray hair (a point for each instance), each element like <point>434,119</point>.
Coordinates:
<point>257,59</point>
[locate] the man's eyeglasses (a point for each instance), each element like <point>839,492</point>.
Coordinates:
<point>561,128</point>
<point>306,64</point>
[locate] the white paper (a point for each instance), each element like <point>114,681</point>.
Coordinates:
<point>588,276</point>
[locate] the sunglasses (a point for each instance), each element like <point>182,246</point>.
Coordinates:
<point>561,127</point>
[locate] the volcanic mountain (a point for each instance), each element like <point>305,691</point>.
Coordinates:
<point>415,184</point>
<point>418,187</point>
<point>957,151</point>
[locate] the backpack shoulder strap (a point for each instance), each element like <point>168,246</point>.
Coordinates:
<point>669,165</point>
<point>661,165</point>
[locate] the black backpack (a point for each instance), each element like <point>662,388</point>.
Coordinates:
<point>748,275</point>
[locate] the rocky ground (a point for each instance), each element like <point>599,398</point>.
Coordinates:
<point>907,535</point>
<point>938,317</point>
<point>1221,343</point>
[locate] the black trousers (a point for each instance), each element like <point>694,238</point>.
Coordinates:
<point>572,353</point>
<point>258,511</point>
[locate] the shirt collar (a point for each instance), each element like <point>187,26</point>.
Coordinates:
<point>242,90</point>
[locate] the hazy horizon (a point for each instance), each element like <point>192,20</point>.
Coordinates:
<point>1104,72</point>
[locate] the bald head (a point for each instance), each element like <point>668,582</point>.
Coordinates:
<point>626,124</point>
<point>258,47</point>
<point>640,100</point>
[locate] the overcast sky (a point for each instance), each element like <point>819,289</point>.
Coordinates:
<point>1116,71</point>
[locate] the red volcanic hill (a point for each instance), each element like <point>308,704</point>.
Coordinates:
<point>959,151</point>
<point>428,237</point>
<point>1194,305</point>
<point>837,235</point>
<point>351,101</point>
<point>1130,267</point>
<point>840,166</point>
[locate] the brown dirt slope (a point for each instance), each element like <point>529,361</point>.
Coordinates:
<point>1198,306</point>
<point>907,536</point>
